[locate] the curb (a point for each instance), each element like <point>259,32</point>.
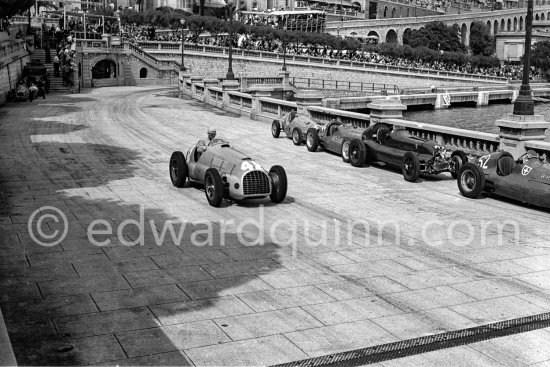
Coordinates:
<point>7,358</point>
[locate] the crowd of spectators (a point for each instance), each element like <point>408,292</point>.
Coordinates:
<point>251,42</point>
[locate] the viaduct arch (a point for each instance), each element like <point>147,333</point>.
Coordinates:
<point>392,29</point>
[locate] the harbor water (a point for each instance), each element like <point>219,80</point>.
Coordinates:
<point>472,118</point>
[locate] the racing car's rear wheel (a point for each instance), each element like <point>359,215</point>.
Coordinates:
<point>297,136</point>
<point>357,153</point>
<point>278,177</point>
<point>312,140</point>
<point>458,159</point>
<point>213,187</point>
<point>345,150</point>
<point>178,169</point>
<point>470,180</point>
<point>411,167</point>
<point>275,129</point>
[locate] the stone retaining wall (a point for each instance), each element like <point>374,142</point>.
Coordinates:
<point>13,57</point>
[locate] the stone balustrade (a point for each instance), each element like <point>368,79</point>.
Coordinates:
<point>263,108</point>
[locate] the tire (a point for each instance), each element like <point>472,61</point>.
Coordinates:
<point>278,178</point>
<point>411,167</point>
<point>312,140</point>
<point>213,187</point>
<point>458,158</point>
<point>178,169</point>
<point>357,153</point>
<point>297,137</point>
<point>275,129</point>
<point>345,150</point>
<point>471,180</point>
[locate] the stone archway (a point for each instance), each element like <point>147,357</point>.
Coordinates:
<point>489,27</point>
<point>104,69</point>
<point>515,24</point>
<point>393,12</point>
<point>143,73</point>
<point>542,17</point>
<point>536,17</point>
<point>464,34</point>
<point>521,23</point>
<point>502,25</point>
<point>495,27</point>
<point>391,36</point>
<point>385,12</point>
<point>509,25</point>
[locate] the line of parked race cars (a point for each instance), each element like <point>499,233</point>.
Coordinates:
<point>228,173</point>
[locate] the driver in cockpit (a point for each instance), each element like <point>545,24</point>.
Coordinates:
<point>205,143</point>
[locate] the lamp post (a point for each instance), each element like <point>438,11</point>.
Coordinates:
<point>230,74</point>
<point>182,22</point>
<point>524,104</point>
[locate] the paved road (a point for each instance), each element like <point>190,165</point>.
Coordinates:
<point>352,258</point>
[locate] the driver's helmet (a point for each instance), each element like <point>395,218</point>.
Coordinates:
<point>531,154</point>
<point>211,133</point>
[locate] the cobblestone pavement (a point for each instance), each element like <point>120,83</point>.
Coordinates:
<point>354,257</point>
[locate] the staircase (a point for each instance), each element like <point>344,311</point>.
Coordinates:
<point>56,83</point>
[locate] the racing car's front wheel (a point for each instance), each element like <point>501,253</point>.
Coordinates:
<point>213,187</point>
<point>178,169</point>
<point>345,150</point>
<point>275,129</point>
<point>458,159</point>
<point>470,180</point>
<point>312,140</point>
<point>278,177</point>
<point>411,167</point>
<point>357,153</point>
<point>297,136</point>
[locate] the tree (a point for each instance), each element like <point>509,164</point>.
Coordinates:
<point>9,8</point>
<point>196,25</point>
<point>540,56</point>
<point>435,35</point>
<point>481,42</point>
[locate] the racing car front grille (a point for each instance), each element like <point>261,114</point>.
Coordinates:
<point>255,183</point>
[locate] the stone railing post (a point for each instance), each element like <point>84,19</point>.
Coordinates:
<point>194,79</point>
<point>383,109</point>
<point>307,98</point>
<point>208,83</point>
<point>516,130</point>
<point>229,85</point>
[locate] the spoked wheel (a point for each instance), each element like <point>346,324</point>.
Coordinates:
<point>297,136</point>
<point>471,180</point>
<point>345,151</point>
<point>275,128</point>
<point>312,140</point>
<point>213,187</point>
<point>357,153</point>
<point>458,159</point>
<point>411,167</point>
<point>278,177</point>
<point>178,169</point>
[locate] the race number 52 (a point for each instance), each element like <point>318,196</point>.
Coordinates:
<point>483,161</point>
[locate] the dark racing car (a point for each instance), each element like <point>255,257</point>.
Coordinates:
<point>335,137</point>
<point>227,173</point>
<point>294,126</point>
<point>396,147</point>
<point>35,70</point>
<point>526,180</point>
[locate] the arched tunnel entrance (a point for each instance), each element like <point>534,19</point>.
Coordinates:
<point>104,69</point>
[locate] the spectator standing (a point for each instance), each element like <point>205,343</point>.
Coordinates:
<point>56,63</point>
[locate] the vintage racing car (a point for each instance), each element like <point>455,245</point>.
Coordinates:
<point>227,173</point>
<point>335,137</point>
<point>396,147</point>
<point>35,69</point>
<point>294,127</point>
<point>526,180</point>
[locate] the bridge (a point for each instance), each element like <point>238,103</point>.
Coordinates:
<point>393,29</point>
